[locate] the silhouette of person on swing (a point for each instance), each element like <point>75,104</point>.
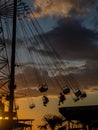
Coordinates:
<point>61,98</point>
<point>45,100</point>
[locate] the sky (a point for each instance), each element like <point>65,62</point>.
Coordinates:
<point>70,29</point>
<point>67,46</point>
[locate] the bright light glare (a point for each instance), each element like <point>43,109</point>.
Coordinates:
<point>0,117</point>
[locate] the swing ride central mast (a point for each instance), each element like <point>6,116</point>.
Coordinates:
<point>12,75</point>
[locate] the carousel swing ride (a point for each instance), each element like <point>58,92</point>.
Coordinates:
<point>43,58</point>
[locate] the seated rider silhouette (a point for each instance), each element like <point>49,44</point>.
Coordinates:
<point>45,100</point>
<point>61,98</point>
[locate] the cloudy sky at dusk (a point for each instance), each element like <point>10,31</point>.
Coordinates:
<point>63,42</point>
<point>70,48</point>
<point>70,28</point>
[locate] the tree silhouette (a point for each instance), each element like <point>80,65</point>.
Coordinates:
<point>51,121</point>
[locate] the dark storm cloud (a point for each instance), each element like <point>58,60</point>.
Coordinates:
<point>73,40</point>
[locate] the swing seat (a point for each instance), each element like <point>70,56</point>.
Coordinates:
<point>84,95</point>
<point>43,88</point>
<point>66,90</point>
<point>78,93</point>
